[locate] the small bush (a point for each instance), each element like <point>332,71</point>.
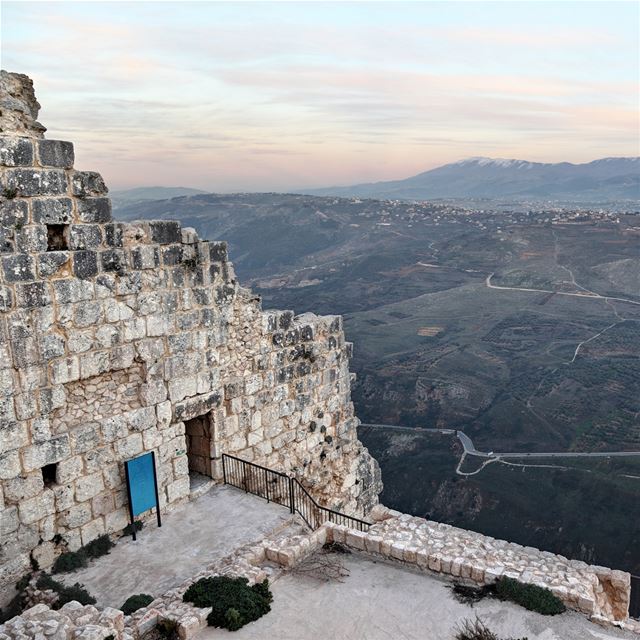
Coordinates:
<point>133,603</point>
<point>476,630</point>
<point>128,530</point>
<point>72,560</point>
<point>471,595</point>
<point>167,629</point>
<point>98,547</point>
<point>69,561</point>
<point>10,193</point>
<point>13,609</point>
<point>529,596</point>
<point>335,547</point>
<point>234,603</point>
<point>66,594</point>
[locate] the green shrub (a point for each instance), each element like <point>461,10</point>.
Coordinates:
<point>128,530</point>
<point>529,596</point>
<point>69,561</point>
<point>234,603</point>
<point>13,609</point>
<point>98,547</point>
<point>72,560</point>
<point>66,594</point>
<point>138,601</point>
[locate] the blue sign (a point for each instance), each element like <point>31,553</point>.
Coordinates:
<point>142,486</point>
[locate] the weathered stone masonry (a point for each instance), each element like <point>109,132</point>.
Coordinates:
<point>113,335</point>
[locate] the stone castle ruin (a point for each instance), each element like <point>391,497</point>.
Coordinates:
<point>118,339</point>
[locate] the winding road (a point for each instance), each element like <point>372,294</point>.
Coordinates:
<point>470,449</point>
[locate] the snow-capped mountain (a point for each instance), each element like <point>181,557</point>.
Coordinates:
<point>479,177</point>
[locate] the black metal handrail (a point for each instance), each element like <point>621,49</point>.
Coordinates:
<point>282,489</point>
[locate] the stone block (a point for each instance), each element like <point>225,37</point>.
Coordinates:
<point>165,231</point>
<point>13,435</point>
<point>72,290</point>
<point>89,486</point>
<point>114,260</point>
<point>32,294</point>
<point>116,520</point>
<point>52,262</point>
<point>145,257</point>
<point>64,496</point>
<point>45,555</point>
<point>36,182</point>
<point>130,447</point>
<point>35,509</point>
<point>94,363</point>
<point>20,268</point>
<point>114,234</point>
<point>87,183</point>
<point>218,252</point>
<point>85,264</point>
<point>31,239</point>
<point>92,530</point>
<point>94,210</point>
<point>16,152</point>
<point>13,213</point>
<point>85,236</point>
<point>9,464</point>
<point>52,210</point>
<point>6,298</point>
<point>65,370</point>
<point>76,516</point>
<point>9,522</point>
<point>178,489</point>
<point>141,419</point>
<point>85,437</point>
<point>55,153</point>
<point>23,487</point>
<point>37,456</point>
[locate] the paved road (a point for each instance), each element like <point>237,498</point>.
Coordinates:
<point>591,295</point>
<point>470,449</point>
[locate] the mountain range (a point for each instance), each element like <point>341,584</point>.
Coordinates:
<point>601,180</point>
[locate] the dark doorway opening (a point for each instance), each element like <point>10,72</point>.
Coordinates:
<point>198,436</point>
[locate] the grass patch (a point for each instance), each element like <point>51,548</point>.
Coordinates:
<point>234,603</point>
<point>529,596</point>
<point>138,601</point>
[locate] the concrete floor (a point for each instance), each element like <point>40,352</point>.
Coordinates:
<point>380,601</point>
<point>192,536</point>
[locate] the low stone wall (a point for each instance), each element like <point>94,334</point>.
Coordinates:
<point>598,592</point>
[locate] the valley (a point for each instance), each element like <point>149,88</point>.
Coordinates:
<point>518,326</point>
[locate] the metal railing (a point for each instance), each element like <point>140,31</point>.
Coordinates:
<point>634,605</point>
<point>282,489</point>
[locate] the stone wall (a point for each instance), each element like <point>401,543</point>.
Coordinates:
<point>113,335</point>
<point>599,592</point>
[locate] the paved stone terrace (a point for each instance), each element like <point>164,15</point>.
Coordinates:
<point>192,536</point>
<point>380,601</point>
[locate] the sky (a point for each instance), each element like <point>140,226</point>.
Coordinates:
<point>273,96</point>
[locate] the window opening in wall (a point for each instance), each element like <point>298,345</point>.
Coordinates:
<point>49,472</point>
<point>57,237</point>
